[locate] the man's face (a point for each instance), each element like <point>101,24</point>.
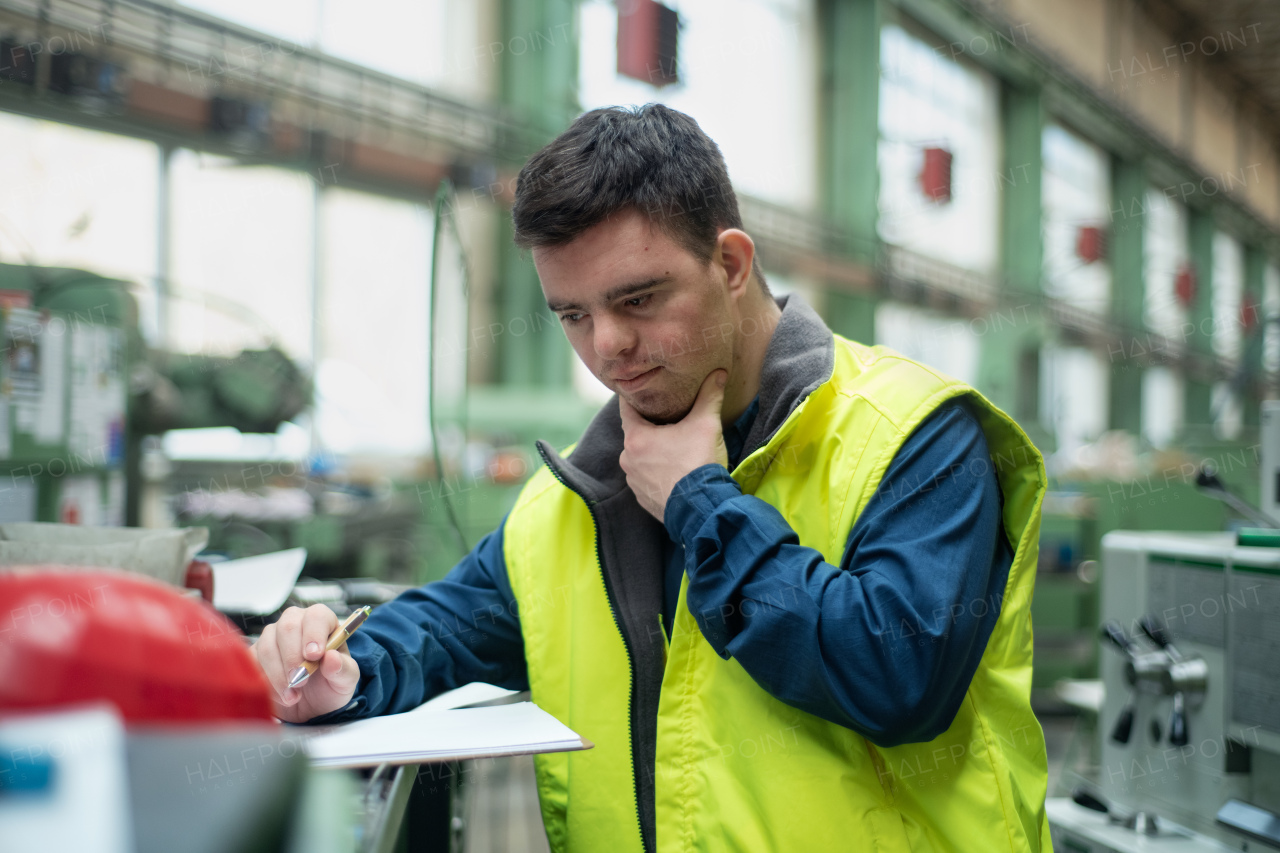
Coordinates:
<point>642,312</point>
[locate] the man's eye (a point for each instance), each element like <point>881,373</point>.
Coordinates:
<point>637,301</point>
<point>570,318</point>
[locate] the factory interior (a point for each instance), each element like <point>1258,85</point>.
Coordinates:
<point>270,346</point>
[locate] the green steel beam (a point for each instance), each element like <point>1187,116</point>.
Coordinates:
<point>850,33</point>
<point>999,48</point>
<point>1255,270</point>
<point>1128,188</point>
<point>1008,364</point>
<point>539,60</point>
<point>1200,228</point>
<point>1022,243</point>
<point>852,315</point>
<point>850,95</point>
<point>539,56</point>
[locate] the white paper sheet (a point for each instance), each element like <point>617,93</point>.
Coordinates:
<point>257,584</point>
<point>428,734</point>
<point>468,694</point>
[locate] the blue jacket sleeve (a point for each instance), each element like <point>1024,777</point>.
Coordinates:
<point>887,642</point>
<point>439,636</point>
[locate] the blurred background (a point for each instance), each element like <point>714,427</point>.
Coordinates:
<point>257,271</point>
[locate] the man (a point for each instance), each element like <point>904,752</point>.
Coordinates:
<point>782,581</point>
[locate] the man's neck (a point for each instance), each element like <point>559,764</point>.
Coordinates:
<point>754,329</point>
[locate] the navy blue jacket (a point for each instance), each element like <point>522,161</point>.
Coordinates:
<point>884,643</point>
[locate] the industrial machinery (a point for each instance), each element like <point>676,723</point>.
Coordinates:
<point>79,390</point>
<point>1189,725</point>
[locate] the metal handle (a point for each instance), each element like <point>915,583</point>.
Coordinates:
<point>1124,725</point>
<point>1153,630</point>
<point>1113,632</point>
<point>1082,797</point>
<point>1178,735</point>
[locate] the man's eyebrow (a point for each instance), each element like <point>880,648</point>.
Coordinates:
<point>613,294</point>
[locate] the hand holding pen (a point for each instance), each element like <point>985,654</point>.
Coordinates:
<point>336,639</point>
<point>304,643</point>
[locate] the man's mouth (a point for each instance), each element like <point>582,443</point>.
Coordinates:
<point>637,379</point>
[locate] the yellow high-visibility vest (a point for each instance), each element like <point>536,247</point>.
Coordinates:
<point>735,768</point>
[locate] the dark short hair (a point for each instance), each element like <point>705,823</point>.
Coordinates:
<point>650,158</point>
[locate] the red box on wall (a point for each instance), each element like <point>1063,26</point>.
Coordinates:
<point>647,41</point>
<point>1091,243</point>
<point>1184,284</point>
<point>935,175</point>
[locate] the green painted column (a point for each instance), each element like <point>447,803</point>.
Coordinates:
<point>1255,270</point>
<point>539,58</point>
<point>1008,364</point>
<point>1128,189</point>
<point>849,32</point>
<point>539,68</point>
<point>1022,217</point>
<point>1200,228</point>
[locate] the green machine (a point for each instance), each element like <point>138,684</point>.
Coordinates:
<point>79,390</point>
<point>1078,513</point>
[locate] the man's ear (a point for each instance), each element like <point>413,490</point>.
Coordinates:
<point>735,251</point>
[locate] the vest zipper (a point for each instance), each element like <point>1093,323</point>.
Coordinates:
<point>626,642</point>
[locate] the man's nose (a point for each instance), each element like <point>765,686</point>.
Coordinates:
<point>612,338</point>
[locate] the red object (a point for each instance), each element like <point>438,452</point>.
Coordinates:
<point>1248,313</point>
<point>935,175</point>
<point>648,33</point>
<point>15,299</point>
<point>200,576</point>
<point>1091,243</point>
<point>1184,285</point>
<point>70,636</point>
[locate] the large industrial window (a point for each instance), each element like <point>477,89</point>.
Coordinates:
<point>371,382</point>
<point>436,43</point>
<point>417,46</point>
<point>240,278</point>
<point>1073,401</point>
<point>293,20</point>
<point>929,103</point>
<point>1164,257</point>
<point>748,75</point>
<point>78,198</point>
<point>241,257</point>
<point>950,344</point>
<point>251,264</point>
<point>1077,202</point>
<point>1228,290</point>
<point>1228,333</point>
<point>1162,405</point>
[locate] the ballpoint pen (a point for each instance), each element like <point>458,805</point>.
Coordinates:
<point>336,639</point>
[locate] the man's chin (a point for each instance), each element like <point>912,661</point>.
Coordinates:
<point>655,410</point>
